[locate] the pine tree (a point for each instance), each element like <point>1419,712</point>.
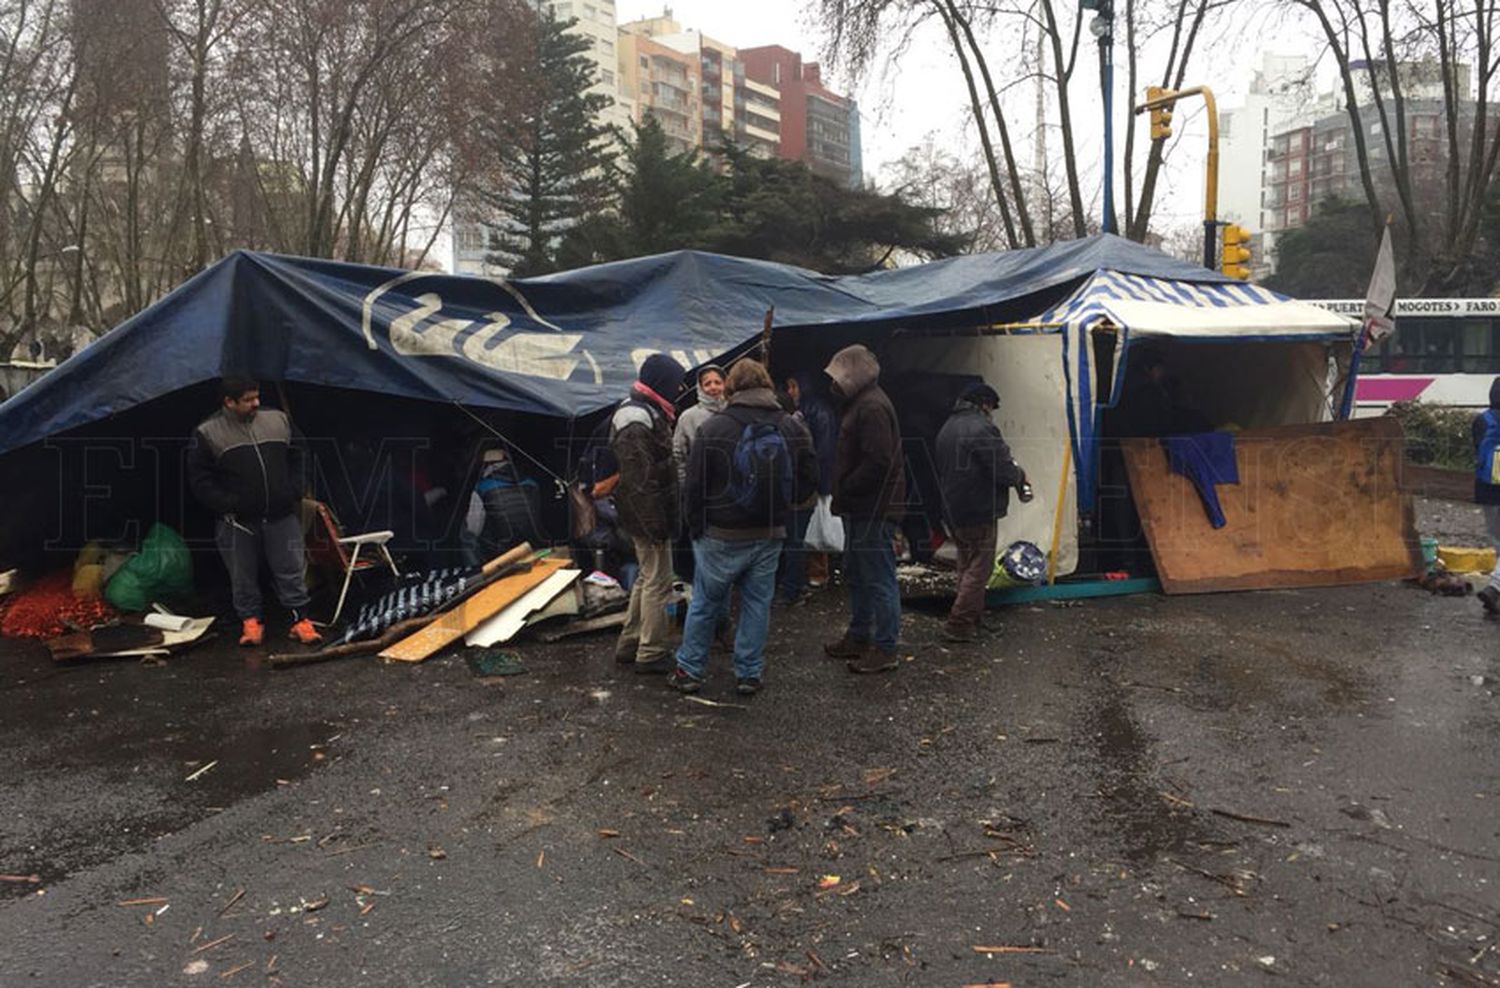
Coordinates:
<point>662,201</point>
<point>551,153</point>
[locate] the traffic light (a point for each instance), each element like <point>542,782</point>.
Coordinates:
<point>1234,256</point>
<point>1161,116</point>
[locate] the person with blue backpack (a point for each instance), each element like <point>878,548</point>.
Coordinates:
<point>1486,433</point>
<point>750,467</point>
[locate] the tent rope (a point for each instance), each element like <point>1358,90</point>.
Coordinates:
<point>510,444</point>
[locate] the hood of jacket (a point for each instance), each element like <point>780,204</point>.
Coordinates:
<point>712,404</point>
<point>853,369</point>
<point>1495,393</point>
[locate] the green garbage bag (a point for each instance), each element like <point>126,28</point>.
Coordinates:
<point>163,568</point>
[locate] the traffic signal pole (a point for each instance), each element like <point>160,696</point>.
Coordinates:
<point>1163,100</point>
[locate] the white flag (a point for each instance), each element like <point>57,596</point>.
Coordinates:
<point>1381,298</point>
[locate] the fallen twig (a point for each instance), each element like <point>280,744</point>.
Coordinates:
<point>152,901</point>
<point>351,849</point>
<point>28,879</point>
<point>1012,949</point>
<point>705,701</point>
<point>201,771</point>
<point>240,894</point>
<point>1460,972</point>
<point>985,853</point>
<point>235,970</point>
<point>213,943</point>
<point>628,856</point>
<point>1247,818</point>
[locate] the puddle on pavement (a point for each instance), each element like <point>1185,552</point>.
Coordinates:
<point>1137,816</point>
<point>253,761</point>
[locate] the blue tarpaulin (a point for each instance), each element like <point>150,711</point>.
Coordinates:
<point>561,345</point>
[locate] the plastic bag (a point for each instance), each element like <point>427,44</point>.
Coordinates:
<point>825,532</point>
<point>1021,565</point>
<point>163,568</point>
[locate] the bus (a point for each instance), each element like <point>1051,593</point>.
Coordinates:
<point>1444,351</point>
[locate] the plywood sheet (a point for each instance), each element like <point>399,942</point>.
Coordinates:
<point>1316,505</point>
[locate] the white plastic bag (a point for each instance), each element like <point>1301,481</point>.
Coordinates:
<point>825,532</point>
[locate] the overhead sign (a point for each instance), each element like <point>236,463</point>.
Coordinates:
<point>1415,306</point>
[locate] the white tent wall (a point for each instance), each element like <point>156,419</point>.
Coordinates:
<point>1027,372</point>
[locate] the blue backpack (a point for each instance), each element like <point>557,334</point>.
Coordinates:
<point>761,473</point>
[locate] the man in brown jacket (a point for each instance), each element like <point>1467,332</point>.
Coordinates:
<point>640,436</point>
<point>869,493</point>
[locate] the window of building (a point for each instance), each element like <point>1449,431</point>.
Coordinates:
<point>607,77</point>
<point>590,12</point>
<point>607,46</point>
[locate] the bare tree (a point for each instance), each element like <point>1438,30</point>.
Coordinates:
<point>1379,52</point>
<point>986,33</point>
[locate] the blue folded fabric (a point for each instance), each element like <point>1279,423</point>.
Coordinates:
<point>1205,459</point>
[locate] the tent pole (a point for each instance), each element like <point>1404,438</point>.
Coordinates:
<point>1057,514</point>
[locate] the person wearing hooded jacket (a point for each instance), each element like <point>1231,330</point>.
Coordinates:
<point>976,474</point>
<point>640,436</point>
<point>711,400</point>
<point>1486,435</point>
<point>869,493</point>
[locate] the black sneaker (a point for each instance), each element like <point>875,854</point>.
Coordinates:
<point>874,661</point>
<point>749,686</point>
<point>656,666</point>
<point>1490,598</point>
<point>684,683</point>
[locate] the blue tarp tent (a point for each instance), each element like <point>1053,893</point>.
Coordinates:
<point>564,345</point>
<point>567,345</point>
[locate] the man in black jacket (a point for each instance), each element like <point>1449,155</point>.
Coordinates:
<point>240,466</point>
<point>976,473</point>
<point>640,436</point>
<point>750,467</point>
<point>869,493</point>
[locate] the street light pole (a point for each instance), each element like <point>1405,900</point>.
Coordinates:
<point>1103,28</point>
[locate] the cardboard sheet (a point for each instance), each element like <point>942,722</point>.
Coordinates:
<point>508,622</point>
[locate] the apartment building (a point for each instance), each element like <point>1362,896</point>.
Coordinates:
<point>734,107</point>
<point>818,126</point>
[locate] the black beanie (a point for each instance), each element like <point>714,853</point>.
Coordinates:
<point>663,375</point>
<point>981,394</point>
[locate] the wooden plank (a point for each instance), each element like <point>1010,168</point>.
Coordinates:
<point>451,625</point>
<point>1438,482</point>
<point>1316,505</point>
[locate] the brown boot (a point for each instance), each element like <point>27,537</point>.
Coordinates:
<point>846,648</point>
<point>874,660</point>
<point>625,651</point>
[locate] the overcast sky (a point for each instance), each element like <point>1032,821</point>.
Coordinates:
<point>928,98</point>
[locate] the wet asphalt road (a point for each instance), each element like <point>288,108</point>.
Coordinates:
<point>1284,788</point>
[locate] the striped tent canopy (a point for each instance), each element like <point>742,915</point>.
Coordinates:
<point>1136,306</point>
<point>1141,306</point>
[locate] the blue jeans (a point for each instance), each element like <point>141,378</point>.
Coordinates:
<point>870,572</point>
<point>720,566</point>
<point>794,555</point>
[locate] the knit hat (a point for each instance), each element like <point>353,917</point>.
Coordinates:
<point>663,375</point>
<point>698,376</point>
<point>980,394</point>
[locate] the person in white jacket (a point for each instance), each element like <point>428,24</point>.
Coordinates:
<point>711,401</point>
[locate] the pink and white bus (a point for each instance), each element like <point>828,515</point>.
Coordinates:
<point>1445,351</point>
